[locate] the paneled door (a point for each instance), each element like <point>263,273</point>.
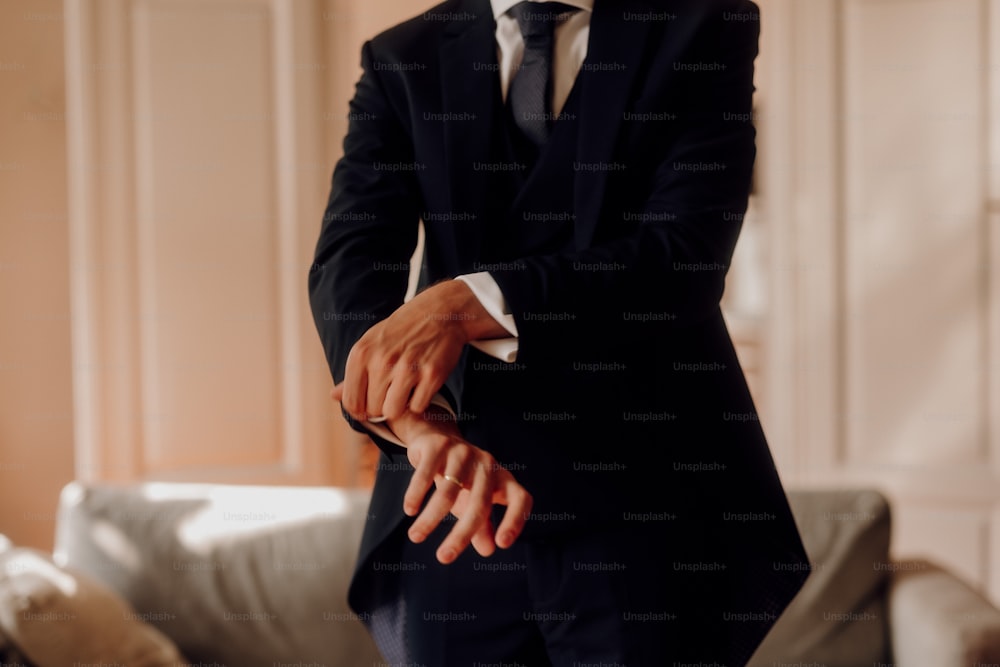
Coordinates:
<point>198,174</point>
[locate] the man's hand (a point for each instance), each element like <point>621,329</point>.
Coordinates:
<point>474,483</point>
<point>401,362</point>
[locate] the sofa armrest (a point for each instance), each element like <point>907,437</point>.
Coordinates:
<point>937,620</point>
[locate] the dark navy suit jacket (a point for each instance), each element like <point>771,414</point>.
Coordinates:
<point>626,402</point>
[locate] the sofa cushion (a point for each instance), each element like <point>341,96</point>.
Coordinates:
<point>60,618</point>
<point>247,576</point>
<point>839,619</point>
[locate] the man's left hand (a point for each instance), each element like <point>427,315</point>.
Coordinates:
<point>401,362</point>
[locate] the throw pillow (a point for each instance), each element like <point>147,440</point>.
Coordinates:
<point>60,618</point>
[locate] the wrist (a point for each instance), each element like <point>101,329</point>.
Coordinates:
<point>411,425</point>
<point>471,317</point>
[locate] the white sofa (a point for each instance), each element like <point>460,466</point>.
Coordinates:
<point>257,576</point>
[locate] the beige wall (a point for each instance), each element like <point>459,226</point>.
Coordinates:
<point>36,427</point>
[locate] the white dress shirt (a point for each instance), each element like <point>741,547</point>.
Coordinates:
<point>568,52</point>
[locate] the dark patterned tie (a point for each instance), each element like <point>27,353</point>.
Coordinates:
<point>530,92</point>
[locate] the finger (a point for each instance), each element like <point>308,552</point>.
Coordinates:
<point>355,386</point>
<point>428,384</point>
<point>337,392</point>
<point>434,512</point>
<point>378,385</point>
<point>483,541</point>
<point>398,395</point>
<point>424,459</point>
<point>475,513</point>
<point>519,503</point>
<point>443,498</point>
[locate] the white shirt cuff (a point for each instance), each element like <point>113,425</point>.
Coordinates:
<point>504,349</point>
<point>491,298</point>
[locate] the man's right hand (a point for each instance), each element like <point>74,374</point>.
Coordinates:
<point>468,481</point>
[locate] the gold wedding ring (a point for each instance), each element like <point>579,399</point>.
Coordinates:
<point>454,481</point>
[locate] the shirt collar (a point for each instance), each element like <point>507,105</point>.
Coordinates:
<point>501,7</point>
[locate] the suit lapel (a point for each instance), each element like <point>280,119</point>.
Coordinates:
<point>613,57</point>
<point>469,83</point>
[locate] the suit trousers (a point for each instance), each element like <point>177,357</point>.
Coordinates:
<point>613,597</point>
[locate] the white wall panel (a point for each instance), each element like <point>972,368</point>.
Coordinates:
<point>199,179</point>
<point>206,224</point>
<point>880,119</point>
<point>915,323</point>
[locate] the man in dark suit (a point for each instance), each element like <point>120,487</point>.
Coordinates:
<point>563,385</point>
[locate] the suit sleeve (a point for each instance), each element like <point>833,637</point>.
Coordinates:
<point>671,267</point>
<point>361,268</point>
